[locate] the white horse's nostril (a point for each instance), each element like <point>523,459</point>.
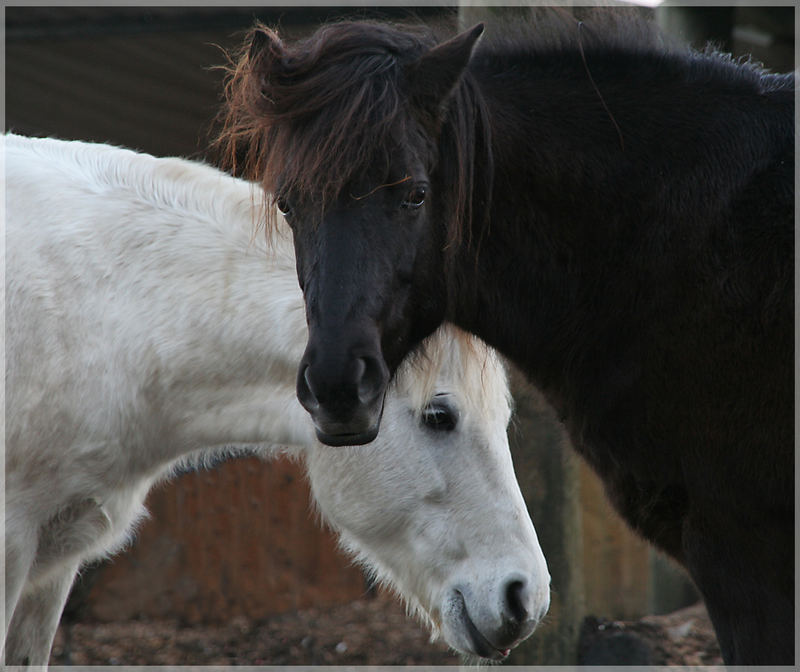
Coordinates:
<point>476,622</point>
<point>517,600</point>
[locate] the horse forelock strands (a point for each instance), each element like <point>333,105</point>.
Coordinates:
<point>466,182</point>
<point>463,353</point>
<point>312,113</point>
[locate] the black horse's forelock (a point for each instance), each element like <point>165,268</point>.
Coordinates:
<point>325,109</point>
<point>332,106</point>
<point>317,113</point>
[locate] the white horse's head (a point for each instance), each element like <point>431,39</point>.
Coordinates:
<point>433,507</point>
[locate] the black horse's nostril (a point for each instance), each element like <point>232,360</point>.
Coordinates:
<point>516,600</point>
<point>339,390</point>
<point>372,377</point>
<point>305,393</point>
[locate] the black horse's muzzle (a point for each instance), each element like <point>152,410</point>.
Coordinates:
<point>344,394</point>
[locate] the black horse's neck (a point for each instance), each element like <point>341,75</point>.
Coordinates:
<point>638,265</point>
<point>613,171</point>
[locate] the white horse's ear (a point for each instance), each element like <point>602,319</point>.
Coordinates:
<point>432,77</point>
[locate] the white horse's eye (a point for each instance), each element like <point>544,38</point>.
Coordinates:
<point>440,416</point>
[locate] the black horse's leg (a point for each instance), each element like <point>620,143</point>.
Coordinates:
<point>748,586</point>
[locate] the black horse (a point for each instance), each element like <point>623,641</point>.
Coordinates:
<point>612,212</point>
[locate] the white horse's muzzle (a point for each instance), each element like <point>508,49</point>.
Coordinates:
<point>490,625</point>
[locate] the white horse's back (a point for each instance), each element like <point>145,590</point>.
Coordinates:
<point>147,324</point>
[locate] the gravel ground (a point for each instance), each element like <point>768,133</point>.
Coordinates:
<point>370,631</point>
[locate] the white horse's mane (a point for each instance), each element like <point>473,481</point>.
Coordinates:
<point>175,183</point>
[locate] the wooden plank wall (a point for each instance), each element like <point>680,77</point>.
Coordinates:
<point>238,540</point>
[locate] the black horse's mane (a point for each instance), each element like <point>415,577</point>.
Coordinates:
<point>317,112</point>
<point>543,31</point>
<point>549,32</point>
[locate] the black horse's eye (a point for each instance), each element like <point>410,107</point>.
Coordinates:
<point>414,198</point>
<point>283,205</point>
<point>439,416</point>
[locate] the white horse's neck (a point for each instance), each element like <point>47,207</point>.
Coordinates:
<point>162,253</point>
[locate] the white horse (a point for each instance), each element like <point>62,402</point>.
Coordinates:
<point>147,326</point>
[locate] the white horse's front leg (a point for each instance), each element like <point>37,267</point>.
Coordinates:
<point>19,554</point>
<point>60,547</point>
<point>35,620</point>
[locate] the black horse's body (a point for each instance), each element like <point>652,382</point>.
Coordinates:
<point>649,293</point>
<point>615,217</point>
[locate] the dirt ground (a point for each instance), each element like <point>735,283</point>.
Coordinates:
<point>684,637</point>
<point>369,631</point>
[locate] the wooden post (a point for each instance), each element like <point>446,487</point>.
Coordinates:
<point>548,472</point>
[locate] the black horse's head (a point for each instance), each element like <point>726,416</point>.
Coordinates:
<point>346,130</point>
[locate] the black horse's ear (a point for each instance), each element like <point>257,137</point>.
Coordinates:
<point>265,58</point>
<point>432,77</point>
<point>266,48</point>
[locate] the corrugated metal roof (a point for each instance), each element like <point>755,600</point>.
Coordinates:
<point>139,77</point>
<point>36,22</point>
<point>153,92</point>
